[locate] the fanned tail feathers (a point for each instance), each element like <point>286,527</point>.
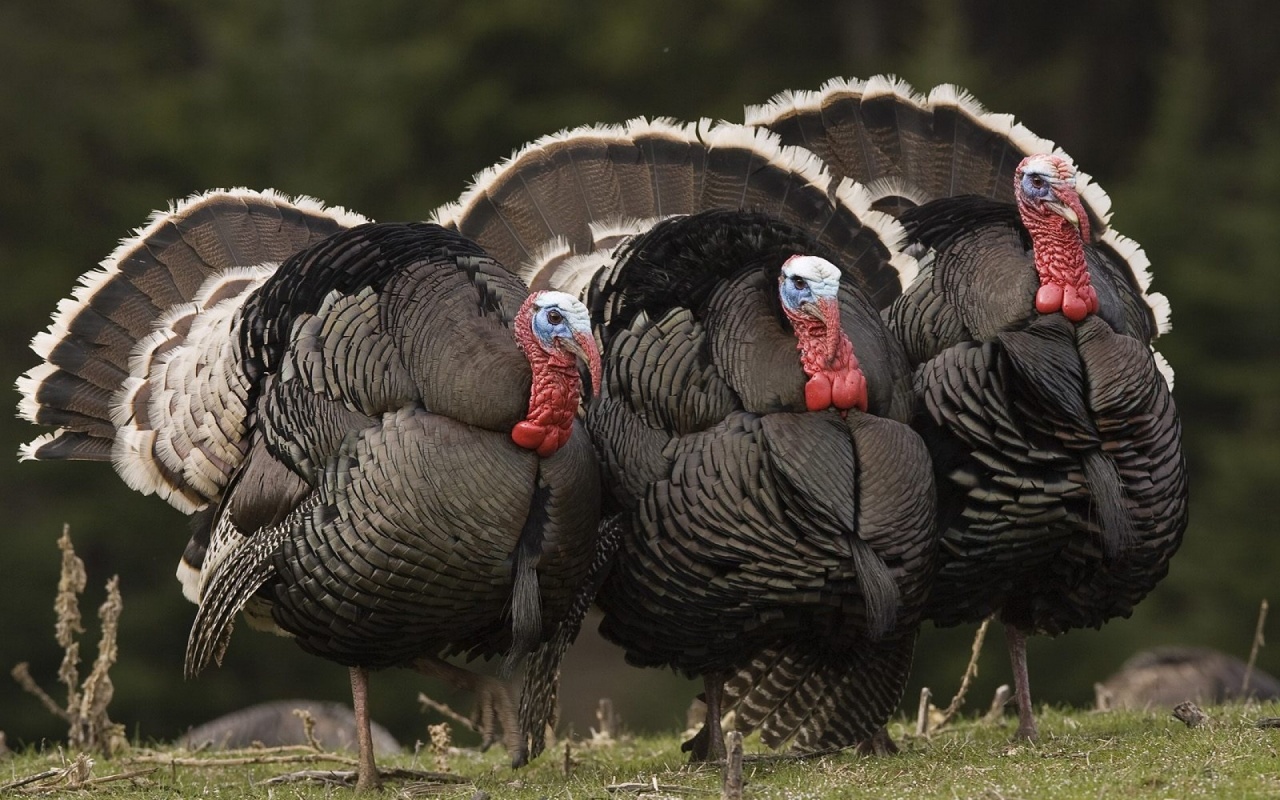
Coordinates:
<point>577,192</point>
<point>140,363</point>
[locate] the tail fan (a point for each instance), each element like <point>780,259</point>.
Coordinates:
<point>552,199</point>
<point>138,336</point>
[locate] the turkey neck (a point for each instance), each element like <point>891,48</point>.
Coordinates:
<point>826,355</point>
<point>1058,249</point>
<point>553,393</point>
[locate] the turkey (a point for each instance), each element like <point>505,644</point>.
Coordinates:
<point>771,501</point>
<point>376,423</point>
<point>1062,487</point>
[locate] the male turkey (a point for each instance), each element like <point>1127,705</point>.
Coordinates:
<point>763,514</point>
<point>380,433</point>
<point>1061,481</point>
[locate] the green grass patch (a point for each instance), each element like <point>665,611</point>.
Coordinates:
<point>1080,755</point>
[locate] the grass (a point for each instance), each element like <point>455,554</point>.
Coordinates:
<point>1080,755</point>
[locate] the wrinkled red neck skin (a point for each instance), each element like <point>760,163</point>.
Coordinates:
<point>1059,255</point>
<point>826,355</point>
<point>553,395</point>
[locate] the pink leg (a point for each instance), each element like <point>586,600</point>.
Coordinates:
<point>1022,685</point>
<point>367,772</point>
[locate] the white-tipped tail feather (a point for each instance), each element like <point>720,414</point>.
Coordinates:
<point>141,363</point>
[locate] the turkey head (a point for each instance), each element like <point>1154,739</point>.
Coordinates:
<point>1045,190</point>
<point>554,331</point>
<point>808,286</point>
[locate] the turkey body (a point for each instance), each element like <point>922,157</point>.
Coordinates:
<point>758,515</point>
<point>339,400</point>
<point>1064,494</point>
<point>1163,677</point>
<point>420,509</point>
<point>280,724</point>
<point>1057,446</point>
<point>757,527</point>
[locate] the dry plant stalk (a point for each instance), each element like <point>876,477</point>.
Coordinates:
<point>922,712</point>
<point>608,726</point>
<point>85,712</point>
<point>998,701</point>
<point>308,728</point>
<point>1258,642</point>
<point>440,708</point>
<point>970,672</point>
<point>441,741</point>
<point>92,729</point>
<point>66,607</point>
<point>731,788</point>
<point>291,754</point>
<point>76,775</point>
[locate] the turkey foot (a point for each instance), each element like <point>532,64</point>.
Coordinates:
<point>878,744</point>
<point>495,713</point>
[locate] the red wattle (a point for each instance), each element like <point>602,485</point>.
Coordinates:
<point>1074,307</point>
<point>1049,298</point>
<point>850,391</point>
<point>528,435</point>
<point>556,437</point>
<point>1090,297</point>
<point>817,393</point>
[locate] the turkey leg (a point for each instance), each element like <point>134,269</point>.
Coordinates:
<point>1022,684</point>
<point>367,771</point>
<point>708,743</point>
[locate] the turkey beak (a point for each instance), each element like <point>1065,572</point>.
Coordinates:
<point>824,309</point>
<point>1065,211</point>
<point>813,309</point>
<point>583,347</point>
<point>1068,205</point>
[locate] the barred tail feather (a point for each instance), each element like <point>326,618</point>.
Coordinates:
<point>821,701</point>
<point>120,346</point>
<point>227,586</point>
<point>553,199</point>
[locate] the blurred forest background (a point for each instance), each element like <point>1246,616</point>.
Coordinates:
<point>110,109</point>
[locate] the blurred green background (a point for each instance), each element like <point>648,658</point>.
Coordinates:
<point>110,109</point>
